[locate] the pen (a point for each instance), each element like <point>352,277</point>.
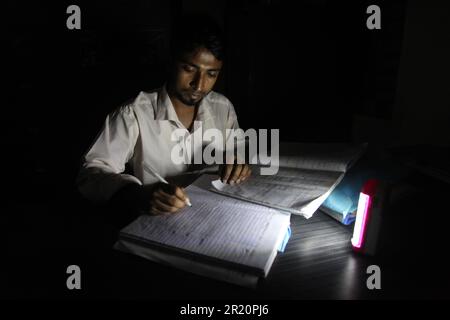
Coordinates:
<point>161,179</point>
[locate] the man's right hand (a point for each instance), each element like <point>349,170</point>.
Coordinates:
<point>163,199</point>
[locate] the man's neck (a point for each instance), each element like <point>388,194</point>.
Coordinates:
<point>181,108</point>
<point>185,113</point>
<point>178,105</point>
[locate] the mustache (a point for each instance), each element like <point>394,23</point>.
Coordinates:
<point>193,92</point>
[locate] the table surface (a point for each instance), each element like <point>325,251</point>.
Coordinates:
<point>318,262</point>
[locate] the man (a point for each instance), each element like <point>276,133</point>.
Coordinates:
<point>140,133</point>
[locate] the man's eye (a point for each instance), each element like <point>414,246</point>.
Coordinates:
<point>212,74</point>
<point>188,68</point>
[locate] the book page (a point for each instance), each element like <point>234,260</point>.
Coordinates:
<point>326,156</point>
<point>299,191</point>
<point>241,233</point>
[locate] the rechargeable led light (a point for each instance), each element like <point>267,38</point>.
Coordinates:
<point>368,218</point>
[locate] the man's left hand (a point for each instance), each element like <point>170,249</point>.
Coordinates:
<point>234,173</point>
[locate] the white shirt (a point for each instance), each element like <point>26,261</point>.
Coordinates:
<point>140,134</point>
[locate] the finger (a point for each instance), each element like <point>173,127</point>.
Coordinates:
<point>244,174</point>
<point>172,190</point>
<point>166,192</point>
<point>162,206</point>
<point>162,196</point>
<point>170,200</point>
<point>154,210</point>
<point>235,173</point>
<point>167,188</point>
<point>249,173</point>
<point>226,172</point>
<point>179,198</point>
<point>181,194</point>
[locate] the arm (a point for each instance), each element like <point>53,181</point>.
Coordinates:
<point>233,173</point>
<point>101,174</point>
<point>101,178</point>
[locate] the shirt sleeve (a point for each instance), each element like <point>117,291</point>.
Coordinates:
<point>101,174</point>
<point>235,137</point>
<point>232,121</point>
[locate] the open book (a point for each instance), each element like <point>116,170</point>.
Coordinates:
<point>233,234</point>
<point>307,175</point>
<point>220,237</point>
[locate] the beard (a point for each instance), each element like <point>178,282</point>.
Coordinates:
<point>187,99</point>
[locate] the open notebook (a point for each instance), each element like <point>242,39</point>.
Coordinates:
<point>219,237</point>
<point>307,175</point>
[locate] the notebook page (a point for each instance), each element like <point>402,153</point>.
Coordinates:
<point>298,191</point>
<point>325,156</point>
<point>217,226</point>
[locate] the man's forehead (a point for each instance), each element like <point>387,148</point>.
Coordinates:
<point>202,58</point>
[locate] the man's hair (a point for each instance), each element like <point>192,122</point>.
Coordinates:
<point>194,31</point>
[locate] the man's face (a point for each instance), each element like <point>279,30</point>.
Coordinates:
<point>195,75</point>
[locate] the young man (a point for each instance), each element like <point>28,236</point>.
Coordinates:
<point>141,133</point>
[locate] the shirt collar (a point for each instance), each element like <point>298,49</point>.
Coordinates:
<point>166,111</point>
<point>164,107</point>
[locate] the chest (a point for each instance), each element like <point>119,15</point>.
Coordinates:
<point>187,120</point>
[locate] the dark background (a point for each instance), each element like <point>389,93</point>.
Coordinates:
<point>309,68</point>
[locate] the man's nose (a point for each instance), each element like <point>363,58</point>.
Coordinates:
<point>198,82</point>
